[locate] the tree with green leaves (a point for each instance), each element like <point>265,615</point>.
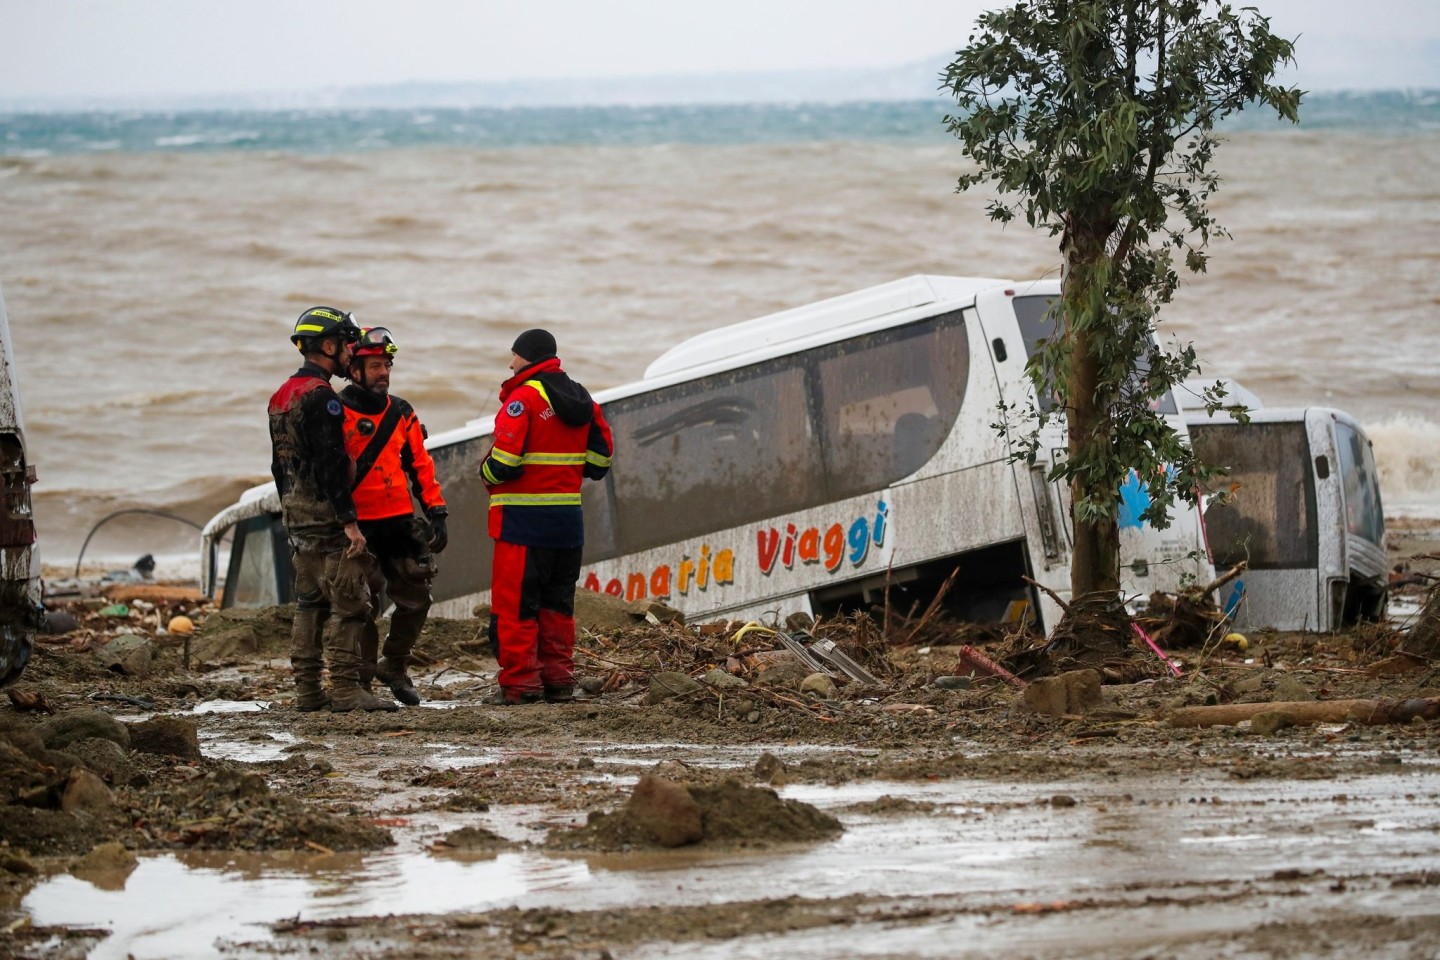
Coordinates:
<point>1095,120</point>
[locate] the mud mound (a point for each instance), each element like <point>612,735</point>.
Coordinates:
<point>730,815</point>
<point>228,810</point>
<point>55,802</point>
<point>243,632</point>
<point>32,800</point>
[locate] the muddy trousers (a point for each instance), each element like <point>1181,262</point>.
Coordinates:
<point>532,616</point>
<point>405,581</point>
<point>332,595</point>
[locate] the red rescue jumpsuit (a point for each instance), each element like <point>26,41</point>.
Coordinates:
<point>549,437</point>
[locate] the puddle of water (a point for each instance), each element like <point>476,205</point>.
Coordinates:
<point>247,751</point>
<point>231,706</point>
<point>985,841</point>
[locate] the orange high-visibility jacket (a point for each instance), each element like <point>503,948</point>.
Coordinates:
<point>403,465</point>
<point>549,437</point>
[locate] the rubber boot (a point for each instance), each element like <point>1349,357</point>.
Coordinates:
<point>391,672</point>
<point>369,651</point>
<point>306,659</point>
<point>349,695</point>
<point>346,693</point>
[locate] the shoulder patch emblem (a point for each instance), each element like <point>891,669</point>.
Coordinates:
<point>514,408</point>
<point>334,407</point>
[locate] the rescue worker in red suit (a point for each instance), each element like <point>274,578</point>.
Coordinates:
<point>387,442</point>
<point>549,437</point>
<point>312,475</point>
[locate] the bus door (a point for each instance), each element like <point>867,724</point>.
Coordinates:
<point>1046,503</point>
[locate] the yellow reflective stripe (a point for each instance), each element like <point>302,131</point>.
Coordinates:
<point>535,500</point>
<point>554,459</point>
<point>308,328</point>
<point>597,459</point>
<point>485,471</point>
<point>540,389</point>
<point>509,459</point>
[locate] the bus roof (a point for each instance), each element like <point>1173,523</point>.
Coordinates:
<point>779,333</point>
<point>833,314</point>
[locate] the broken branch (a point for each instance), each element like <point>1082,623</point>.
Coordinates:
<point>1307,712</point>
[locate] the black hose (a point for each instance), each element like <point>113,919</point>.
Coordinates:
<point>121,513</point>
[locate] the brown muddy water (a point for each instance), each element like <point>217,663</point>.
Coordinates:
<point>1072,867</point>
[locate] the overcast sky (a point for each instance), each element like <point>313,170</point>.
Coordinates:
<point>118,48</point>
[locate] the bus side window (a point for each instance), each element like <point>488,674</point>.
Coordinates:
<point>890,399</point>
<point>1363,514</point>
<point>713,453</point>
<point>1037,323</point>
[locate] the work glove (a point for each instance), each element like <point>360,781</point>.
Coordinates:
<point>438,536</point>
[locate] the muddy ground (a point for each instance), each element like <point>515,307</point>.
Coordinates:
<point>126,739</point>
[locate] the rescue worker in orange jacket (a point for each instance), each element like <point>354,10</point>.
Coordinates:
<point>387,442</point>
<point>549,437</point>
<point>312,475</point>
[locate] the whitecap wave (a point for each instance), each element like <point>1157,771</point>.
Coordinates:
<point>1407,455</point>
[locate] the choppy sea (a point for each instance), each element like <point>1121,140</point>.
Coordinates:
<point>152,265</point>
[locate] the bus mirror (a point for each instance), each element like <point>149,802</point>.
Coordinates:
<point>1322,467</point>
<point>998,346</point>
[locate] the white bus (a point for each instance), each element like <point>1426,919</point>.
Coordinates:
<point>1304,513</point>
<point>832,457</point>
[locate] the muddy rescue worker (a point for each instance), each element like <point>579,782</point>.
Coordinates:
<point>387,442</point>
<point>549,437</point>
<point>312,474</point>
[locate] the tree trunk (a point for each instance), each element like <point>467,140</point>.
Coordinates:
<point>1095,564</point>
<point>1424,637</point>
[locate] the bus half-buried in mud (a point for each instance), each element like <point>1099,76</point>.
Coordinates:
<point>834,457</point>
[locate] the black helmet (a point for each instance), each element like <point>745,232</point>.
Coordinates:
<point>322,322</point>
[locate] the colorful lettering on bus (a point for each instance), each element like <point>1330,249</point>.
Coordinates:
<point>830,548</point>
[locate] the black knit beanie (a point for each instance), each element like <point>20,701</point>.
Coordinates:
<point>534,345</point>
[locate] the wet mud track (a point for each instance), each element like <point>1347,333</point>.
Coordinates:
<point>1037,852</point>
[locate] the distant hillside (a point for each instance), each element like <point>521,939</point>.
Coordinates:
<point>913,81</point>
<point>1327,64</point>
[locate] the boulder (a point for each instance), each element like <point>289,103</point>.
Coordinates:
<point>785,674</point>
<point>1291,689</point>
<point>770,769</point>
<point>1271,722</point>
<point>60,622</point>
<point>128,653</point>
<point>819,685</point>
<point>86,793</point>
<point>721,680</point>
<point>167,736</point>
<point>647,609</point>
<point>666,686</point>
<point>665,811</point>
